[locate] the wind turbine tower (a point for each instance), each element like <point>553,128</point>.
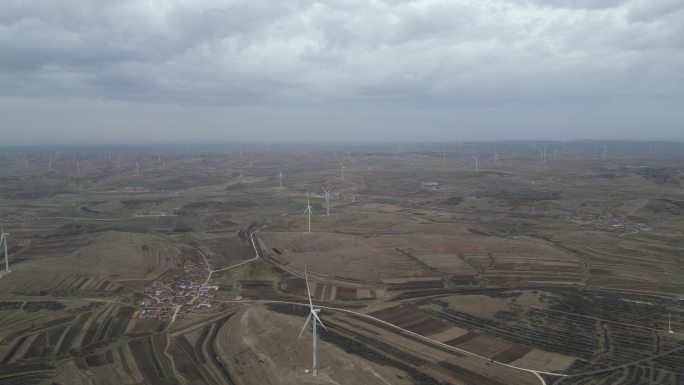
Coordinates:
<point>342,171</point>
<point>308,210</point>
<point>496,156</point>
<point>314,319</point>
<point>669,323</point>
<point>280,178</point>
<point>3,240</point>
<point>477,157</point>
<point>327,200</point>
<point>444,156</point>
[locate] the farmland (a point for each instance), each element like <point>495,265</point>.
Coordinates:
<point>427,270</point>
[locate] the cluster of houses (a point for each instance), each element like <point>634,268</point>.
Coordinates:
<point>186,289</point>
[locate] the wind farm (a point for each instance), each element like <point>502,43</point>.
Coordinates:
<point>372,263</point>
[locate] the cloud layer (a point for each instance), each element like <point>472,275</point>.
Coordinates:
<point>465,55</point>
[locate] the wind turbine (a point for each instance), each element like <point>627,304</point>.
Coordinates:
<point>313,317</point>
<point>50,163</point>
<point>280,178</point>
<point>308,210</point>
<point>3,241</point>
<point>669,324</point>
<point>342,171</point>
<point>327,200</point>
<point>444,156</point>
<point>496,156</point>
<point>477,157</point>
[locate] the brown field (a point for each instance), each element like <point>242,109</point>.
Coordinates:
<point>436,273</point>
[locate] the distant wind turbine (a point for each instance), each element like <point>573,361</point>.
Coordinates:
<point>327,200</point>
<point>669,323</point>
<point>280,178</point>
<point>314,319</point>
<point>342,171</point>
<point>477,157</point>
<point>308,210</point>
<point>4,239</point>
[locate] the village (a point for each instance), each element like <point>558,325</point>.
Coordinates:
<point>185,290</point>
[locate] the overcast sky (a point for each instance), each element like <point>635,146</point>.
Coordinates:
<point>199,70</point>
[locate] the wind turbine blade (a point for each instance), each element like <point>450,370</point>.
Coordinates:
<point>306,277</point>
<point>304,327</point>
<point>319,321</point>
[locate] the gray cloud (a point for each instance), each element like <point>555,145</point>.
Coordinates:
<point>430,57</point>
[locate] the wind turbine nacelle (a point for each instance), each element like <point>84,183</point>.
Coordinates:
<point>316,310</point>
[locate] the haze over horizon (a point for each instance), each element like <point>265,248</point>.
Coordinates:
<point>189,70</point>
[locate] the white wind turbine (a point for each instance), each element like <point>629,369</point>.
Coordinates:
<point>314,319</point>
<point>327,200</point>
<point>342,171</point>
<point>308,210</point>
<point>477,157</point>
<point>669,324</point>
<point>280,178</point>
<point>3,241</point>
<point>496,156</point>
<point>444,156</point>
